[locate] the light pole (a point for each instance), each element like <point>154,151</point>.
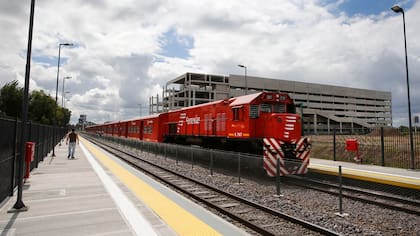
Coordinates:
<point>67,92</point>
<point>62,92</point>
<point>246,79</point>
<point>56,91</point>
<point>398,9</point>
<point>19,205</point>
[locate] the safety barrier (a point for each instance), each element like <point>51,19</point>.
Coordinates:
<point>41,135</point>
<point>215,160</point>
<point>386,147</point>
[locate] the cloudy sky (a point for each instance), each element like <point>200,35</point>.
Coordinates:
<point>124,51</point>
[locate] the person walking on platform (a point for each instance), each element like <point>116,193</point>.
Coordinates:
<point>71,140</point>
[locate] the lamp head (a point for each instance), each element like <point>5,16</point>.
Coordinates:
<point>66,44</point>
<point>397,9</point>
<point>242,66</point>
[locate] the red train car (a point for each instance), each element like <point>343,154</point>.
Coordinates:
<point>153,127</point>
<point>262,123</point>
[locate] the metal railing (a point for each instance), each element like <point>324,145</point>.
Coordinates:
<point>221,161</point>
<point>215,160</point>
<point>384,147</point>
<point>41,135</point>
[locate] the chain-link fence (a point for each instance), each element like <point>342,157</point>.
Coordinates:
<point>10,153</point>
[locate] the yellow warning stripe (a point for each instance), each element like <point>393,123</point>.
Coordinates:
<point>180,220</point>
<point>368,176</point>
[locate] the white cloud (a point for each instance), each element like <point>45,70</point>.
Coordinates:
<point>116,63</point>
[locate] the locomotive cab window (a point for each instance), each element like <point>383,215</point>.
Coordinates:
<point>238,113</point>
<point>291,108</point>
<point>279,108</point>
<point>254,111</point>
<point>266,107</point>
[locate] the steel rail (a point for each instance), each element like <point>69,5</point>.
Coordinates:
<point>333,188</point>
<point>256,228</point>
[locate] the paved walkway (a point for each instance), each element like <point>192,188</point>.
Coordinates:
<point>98,194</point>
<point>66,197</point>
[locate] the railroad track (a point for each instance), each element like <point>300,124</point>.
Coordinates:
<point>382,199</point>
<point>256,217</point>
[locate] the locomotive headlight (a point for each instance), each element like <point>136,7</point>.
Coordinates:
<point>279,119</point>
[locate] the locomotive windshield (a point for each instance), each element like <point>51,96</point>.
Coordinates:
<point>277,108</point>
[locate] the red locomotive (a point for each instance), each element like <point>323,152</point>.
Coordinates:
<point>261,123</point>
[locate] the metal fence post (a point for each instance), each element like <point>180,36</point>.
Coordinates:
<point>12,178</point>
<point>340,197</point>
<point>334,145</point>
<point>49,144</point>
<point>382,147</point>
<point>340,190</point>
<point>176,154</point>
<point>29,139</point>
<point>156,150</point>
<point>192,157</point>
<point>44,142</point>
<point>37,151</point>
<point>211,162</point>
<point>278,178</point>
<point>164,150</point>
<point>239,168</point>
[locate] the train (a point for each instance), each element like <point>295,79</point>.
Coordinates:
<point>263,123</point>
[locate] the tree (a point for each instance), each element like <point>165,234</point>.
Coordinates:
<point>63,116</point>
<point>66,116</point>
<point>11,96</point>
<point>42,108</point>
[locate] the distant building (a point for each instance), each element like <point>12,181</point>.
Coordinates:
<point>82,121</point>
<point>324,107</point>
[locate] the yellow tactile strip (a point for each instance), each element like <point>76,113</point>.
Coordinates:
<point>376,177</point>
<point>180,220</point>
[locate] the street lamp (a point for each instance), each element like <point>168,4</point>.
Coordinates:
<point>62,92</point>
<point>246,79</point>
<point>56,91</point>
<point>19,205</point>
<point>398,9</point>
<point>67,92</point>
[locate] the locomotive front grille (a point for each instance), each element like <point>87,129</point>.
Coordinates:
<point>289,150</point>
<point>291,161</point>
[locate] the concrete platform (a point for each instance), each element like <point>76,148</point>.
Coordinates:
<point>96,194</point>
<point>386,175</point>
<point>66,197</point>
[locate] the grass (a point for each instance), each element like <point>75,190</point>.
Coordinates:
<point>396,149</point>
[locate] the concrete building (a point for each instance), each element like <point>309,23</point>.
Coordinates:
<point>82,121</point>
<point>324,107</point>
